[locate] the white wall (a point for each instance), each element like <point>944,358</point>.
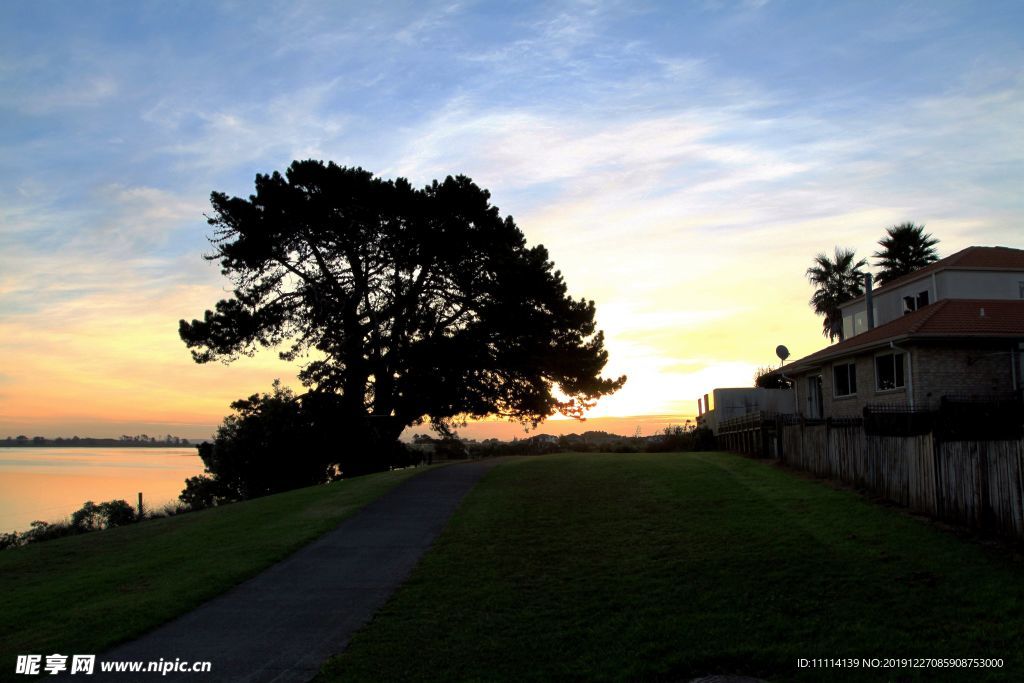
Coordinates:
<point>980,284</point>
<point>888,306</point>
<point>729,403</point>
<point>947,284</point>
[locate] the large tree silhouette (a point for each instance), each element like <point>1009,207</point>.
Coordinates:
<point>406,303</point>
<point>905,248</point>
<point>836,281</point>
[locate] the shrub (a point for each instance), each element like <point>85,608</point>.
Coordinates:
<point>271,443</point>
<point>764,379</point>
<point>170,510</point>
<point>703,439</point>
<point>93,517</point>
<point>87,518</point>
<point>672,439</point>
<point>45,531</point>
<point>117,513</point>
<point>203,491</point>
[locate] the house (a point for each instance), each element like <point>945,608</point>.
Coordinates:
<point>954,328</point>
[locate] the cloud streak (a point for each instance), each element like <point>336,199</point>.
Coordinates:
<point>682,164</point>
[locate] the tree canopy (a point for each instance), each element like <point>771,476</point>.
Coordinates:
<point>905,248</point>
<point>836,281</point>
<point>406,304</point>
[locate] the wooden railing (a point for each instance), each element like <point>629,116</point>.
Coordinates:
<point>753,434</point>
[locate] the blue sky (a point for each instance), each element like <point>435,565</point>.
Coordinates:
<point>682,161</point>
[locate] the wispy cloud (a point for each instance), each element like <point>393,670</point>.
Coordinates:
<point>682,163</point>
<point>73,94</point>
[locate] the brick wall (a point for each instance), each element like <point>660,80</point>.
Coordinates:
<point>977,371</point>
<point>981,369</point>
<point>853,406</point>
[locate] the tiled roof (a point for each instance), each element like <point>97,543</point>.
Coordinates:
<point>971,258</point>
<point>945,319</point>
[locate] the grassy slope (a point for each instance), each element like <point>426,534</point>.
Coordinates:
<point>674,566</point>
<point>84,593</point>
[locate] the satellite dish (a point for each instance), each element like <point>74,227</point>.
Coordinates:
<point>782,352</point>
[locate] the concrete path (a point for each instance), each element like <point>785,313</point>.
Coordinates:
<point>283,624</point>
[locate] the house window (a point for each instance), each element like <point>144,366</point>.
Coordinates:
<point>912,303</point>
<point>848,329</point>
<point>844,380</point>
<point>889,371</point>
<point>860,321</point>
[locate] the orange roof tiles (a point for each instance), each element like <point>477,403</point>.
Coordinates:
<point>945,319</point>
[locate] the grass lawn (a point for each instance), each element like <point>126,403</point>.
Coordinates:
<point>84,593</point>
<point>668,567</point>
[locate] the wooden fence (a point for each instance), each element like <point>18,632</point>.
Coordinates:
<point>977,483</point>
<point>754,434</point>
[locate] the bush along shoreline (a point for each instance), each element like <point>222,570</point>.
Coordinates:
<point>89,518</point>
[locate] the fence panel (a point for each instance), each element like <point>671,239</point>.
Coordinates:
<point>923,484</point>
<point>1006,486</point>
<point>977,483</point>
<point>959,465</point>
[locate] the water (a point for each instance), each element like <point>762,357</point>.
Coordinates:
<point>51,483</point>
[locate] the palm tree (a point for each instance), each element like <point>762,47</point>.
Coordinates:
<point>835,282</point>
<point>905,248</point>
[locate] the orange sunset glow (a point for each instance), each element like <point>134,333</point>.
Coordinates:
<point>111,363</point>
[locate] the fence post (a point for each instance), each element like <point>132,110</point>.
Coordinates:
<point>779,437</point>
<point>828,443</point>
<point>985,515</point>
<point>940,503</point>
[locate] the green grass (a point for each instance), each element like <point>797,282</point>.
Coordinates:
<point>84,593</point>
<point>668,567</point>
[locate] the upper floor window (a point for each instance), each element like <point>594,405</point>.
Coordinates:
<point>844,380</point>
<point>889,371</point>
<point>912,303</point>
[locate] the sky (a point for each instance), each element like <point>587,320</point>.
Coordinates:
<point>683,162</point>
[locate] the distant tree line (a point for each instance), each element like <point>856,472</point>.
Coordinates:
<point>278,441</point>
<point>674,438</point>
<point>138,441</point>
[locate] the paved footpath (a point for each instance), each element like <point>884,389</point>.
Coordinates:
<point>284,623</point>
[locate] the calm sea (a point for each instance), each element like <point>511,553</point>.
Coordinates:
<point>51,483</point>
